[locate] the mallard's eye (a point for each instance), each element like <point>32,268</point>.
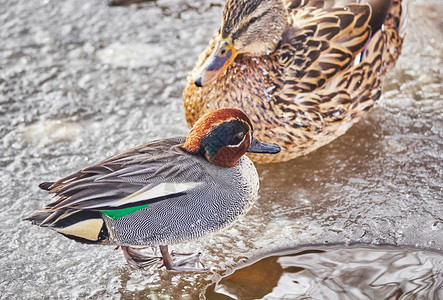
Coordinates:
<point>240,135</point>
<point>252,20</point>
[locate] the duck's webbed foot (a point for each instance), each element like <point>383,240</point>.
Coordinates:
<point>138,259</point>
<point>181,262</point>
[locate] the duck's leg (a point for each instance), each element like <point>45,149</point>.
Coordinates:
<point>137,259</point>
<point>190,262</point>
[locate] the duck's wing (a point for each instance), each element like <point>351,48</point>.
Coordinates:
<point>316,71</point>
<point>128,181</point>
<point>342,99</point>
<point>319,43</point>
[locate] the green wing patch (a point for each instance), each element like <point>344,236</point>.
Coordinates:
<point>118,213</point>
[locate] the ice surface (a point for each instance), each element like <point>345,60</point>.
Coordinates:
<point>62,107</point>
<point>131,55</point>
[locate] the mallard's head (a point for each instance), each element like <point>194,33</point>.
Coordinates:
<point>249,27</point>
<point>223,136</point>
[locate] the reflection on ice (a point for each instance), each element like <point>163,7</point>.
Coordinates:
<point>336,273</point>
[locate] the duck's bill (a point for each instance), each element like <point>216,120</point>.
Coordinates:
<point>216,63</point>
<point>261,147</point>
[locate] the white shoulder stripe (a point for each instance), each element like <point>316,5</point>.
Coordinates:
<point>149,192</point>
<point>161,190</point>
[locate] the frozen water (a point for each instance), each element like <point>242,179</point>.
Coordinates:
<point>131,55</point>
<point>66,103</point>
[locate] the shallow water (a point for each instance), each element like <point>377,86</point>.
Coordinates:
<point>335,272</point>
<point>80,81</point>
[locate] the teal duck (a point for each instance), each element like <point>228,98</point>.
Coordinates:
<point>161,193</point>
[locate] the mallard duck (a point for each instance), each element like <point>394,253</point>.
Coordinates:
<point>161,193</point>
<point>303,71</point>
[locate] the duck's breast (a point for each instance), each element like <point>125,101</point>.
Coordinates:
<point>207,206</point>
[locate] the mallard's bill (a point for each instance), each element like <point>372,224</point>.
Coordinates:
<point>216,63</point>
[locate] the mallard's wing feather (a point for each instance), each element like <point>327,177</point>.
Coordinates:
<point>363,81</point>
<point>339,101</point>
<point>319,85</point>
<point>317,46</point>
<point>392,35</point>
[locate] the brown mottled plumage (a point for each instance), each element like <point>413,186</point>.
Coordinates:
<point>303,71</point>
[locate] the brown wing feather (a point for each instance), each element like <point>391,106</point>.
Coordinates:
<point>319,44</point>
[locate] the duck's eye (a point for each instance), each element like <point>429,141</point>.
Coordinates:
<point>237,138</point>
<point>252,20</point>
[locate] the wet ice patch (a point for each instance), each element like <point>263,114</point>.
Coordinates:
<point>50,132</point>
<point>131,55</point>
<point>281,231</point>
<point>394,145</point>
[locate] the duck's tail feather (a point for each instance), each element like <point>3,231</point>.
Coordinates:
<point>46,185</point>
<point>83,226</point>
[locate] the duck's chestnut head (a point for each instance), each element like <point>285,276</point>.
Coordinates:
<point>223,136</point>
